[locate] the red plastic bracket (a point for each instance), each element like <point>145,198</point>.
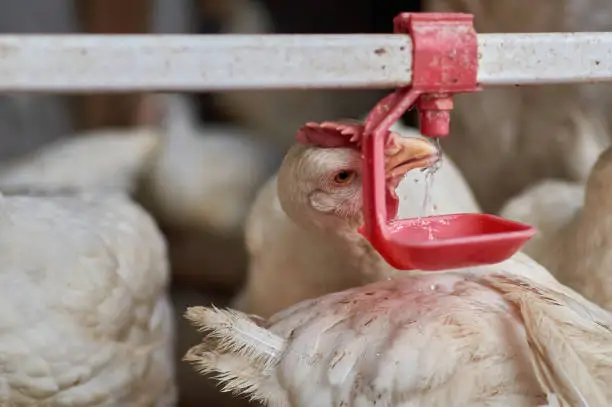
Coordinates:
<point>444,51</point>
<point>444,61</point>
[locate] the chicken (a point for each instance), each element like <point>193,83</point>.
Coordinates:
<point>199,182</point>
<point>575,225</point>
<point>554,131</point>
<point>200,186</point>
<point>185,170</point>
<point>203,176</point>
<point>500,335</point>
<point>97,160</point>
<point>86,319</point>
<point>549,205</point>
<point>290,262</point>
<point>497,335</point>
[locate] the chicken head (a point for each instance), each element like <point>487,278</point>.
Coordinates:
<point>319,182</point>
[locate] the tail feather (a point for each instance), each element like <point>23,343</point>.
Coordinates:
<point>572,353</point>
<point>238,334</point>
<point>235,374</point>
<point>239,352</point>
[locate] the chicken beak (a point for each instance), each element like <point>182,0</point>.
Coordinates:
<point>407,153</point>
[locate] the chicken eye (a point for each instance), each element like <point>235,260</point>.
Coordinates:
<point>344,177</point>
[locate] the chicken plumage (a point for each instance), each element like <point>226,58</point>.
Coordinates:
<point>500,335</point>
<point>86,320</point>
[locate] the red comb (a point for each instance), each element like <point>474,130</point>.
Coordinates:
<point>344,133</point>
<point>331,134</point>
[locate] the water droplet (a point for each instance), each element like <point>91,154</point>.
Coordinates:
<point>428,207</point>
<point>433,287</point>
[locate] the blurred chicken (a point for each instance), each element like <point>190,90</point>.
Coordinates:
<point>290,261</point>
<point>200,186</point>
<point>187,170</point>
<point>95,161</point>
<point>86,319</point>
<point>554,131</point>
<point>275,114</point>
<point>549,205</point>
<point>203,176</point>
<point>197,181</point>
<point>575,225</point>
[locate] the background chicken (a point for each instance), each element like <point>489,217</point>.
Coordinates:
<point>204,176</point>
<point>290,261</point>
<point>197,181</point>
<point>575,229</point>
<point>549,205</point>
<point>86,320</point>
<point>186,168</point>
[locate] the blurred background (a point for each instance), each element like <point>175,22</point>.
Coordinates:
<point>42,118</point>
<point>502,139</point>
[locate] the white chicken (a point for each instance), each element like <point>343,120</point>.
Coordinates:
<point>185,170</point>
<point>199,182</point>
<point>501,335</point>
<point>480,337</point>
<point>290,261</point>
<point>549,205</point>
<point>86,319</point>
<point>97,160</point>
<point>575,234</point>
<point>205,176</point>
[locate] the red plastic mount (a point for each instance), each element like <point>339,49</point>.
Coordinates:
<point>444,61</point>
<point>444,51</point>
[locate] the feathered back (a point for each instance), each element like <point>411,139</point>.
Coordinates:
<point>569,338</point>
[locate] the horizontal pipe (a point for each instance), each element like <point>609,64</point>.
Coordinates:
<point>73,63</point>
<point>544,58</point>
<point>89,63</point>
